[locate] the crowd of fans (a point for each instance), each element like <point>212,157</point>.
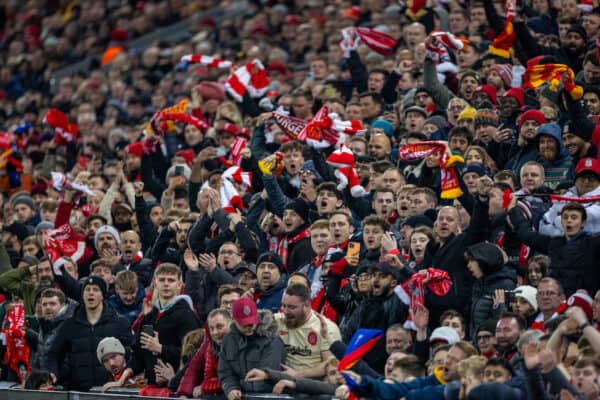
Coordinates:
<point>176,233</point>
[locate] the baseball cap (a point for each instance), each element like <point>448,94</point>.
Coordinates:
<point>245,312</point>
<point>588,164</point>
<point>444,334</point>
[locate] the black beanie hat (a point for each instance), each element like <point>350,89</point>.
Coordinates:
<point>300,207</point>
<point>94,280</point>
<point>271,257</point>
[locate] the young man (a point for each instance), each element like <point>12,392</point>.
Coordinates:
<point>128,297</point>
<point>572,256</point>
<point>78,337</point>
<point>171,318</point>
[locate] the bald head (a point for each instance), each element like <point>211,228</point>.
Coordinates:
<point>380,147</point>
<point>447,223</point>
<point>130,246</point>
<point>414,34</point>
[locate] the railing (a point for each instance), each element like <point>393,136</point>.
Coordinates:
<point>11,391</point>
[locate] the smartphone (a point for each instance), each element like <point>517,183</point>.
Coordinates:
<point>353,249</point>
<point>178,171</point>
<point>148,330</point>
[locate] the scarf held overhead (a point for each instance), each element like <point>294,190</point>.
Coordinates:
<point>417,151</point>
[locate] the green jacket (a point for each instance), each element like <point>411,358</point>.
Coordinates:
<point>17,281</point>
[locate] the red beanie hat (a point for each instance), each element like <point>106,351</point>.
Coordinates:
<point>135,148</point>
<point>582,299</point>
<point>517,93</point>
<point>535,115</point>
<point>489,90</point>
<point>188,155</point>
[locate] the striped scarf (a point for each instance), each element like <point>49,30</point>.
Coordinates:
<point>283,250</point>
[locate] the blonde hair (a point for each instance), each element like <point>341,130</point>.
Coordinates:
<point>473,365</point>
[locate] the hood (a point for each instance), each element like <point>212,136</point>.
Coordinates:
<point>554,131</point>
<point>488,256</point>
<point>267,326</point>
<point>501,274</point>
<point>181,298</point>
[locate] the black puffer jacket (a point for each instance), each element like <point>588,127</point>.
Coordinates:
<point>76,343</point>
<point>172,324</point>
<point>573,262</point>
<point>240,354</point>
<point>496,276</point>
<point>48,331</point>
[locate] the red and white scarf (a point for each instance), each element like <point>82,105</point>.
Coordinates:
<point>283,250</point>
<point>379,42</point>
<point>251,78</point>
<point>206,61</point>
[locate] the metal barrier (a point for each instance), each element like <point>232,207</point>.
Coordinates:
<point>11,391</point>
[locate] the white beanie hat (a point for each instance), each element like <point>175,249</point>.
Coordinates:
<point>529,293</point>
<point>107,229</point>
<point>109,345</point>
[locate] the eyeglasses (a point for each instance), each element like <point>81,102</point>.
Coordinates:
<point>484,337</point>
<point>364,277</point>
<point>305,172</point>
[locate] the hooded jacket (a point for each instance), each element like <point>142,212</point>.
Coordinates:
<point>241,353</point>
<point>551,225</point>
<point>72,355</point>
<point>573,262</point>
<point>48,331</point>
<point>560,168</point>
<point>172,323</point>
<point>495,276</point>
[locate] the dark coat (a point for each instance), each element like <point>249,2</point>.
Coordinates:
<point>270,299</point>
<point>483,292</point>
<point>240,354</point>
<point>378,313</point>
<point>202,287</point>
<point>573,262</point>
<point>48,331</point>
<point>299,253</point>
<point>450,257</point>
<point>143,269</point>
<point>172,324</point>
<point>78,339</point>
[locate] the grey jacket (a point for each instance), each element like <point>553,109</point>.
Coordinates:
<point>240,354</point>
<point>47,333</point>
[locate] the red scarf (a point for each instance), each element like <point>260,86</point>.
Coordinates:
<point>321,305</point>
<point>273,242</point>
<point>523,252</point>
<point>17,350</point>
<point>450,183</point>
<point>286,243</point>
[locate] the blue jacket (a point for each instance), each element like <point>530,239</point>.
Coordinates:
<point>271,298</point>
<point>423,388</point>
<point>130,312</point>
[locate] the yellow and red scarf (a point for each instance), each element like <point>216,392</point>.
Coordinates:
<point>450,183</point>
